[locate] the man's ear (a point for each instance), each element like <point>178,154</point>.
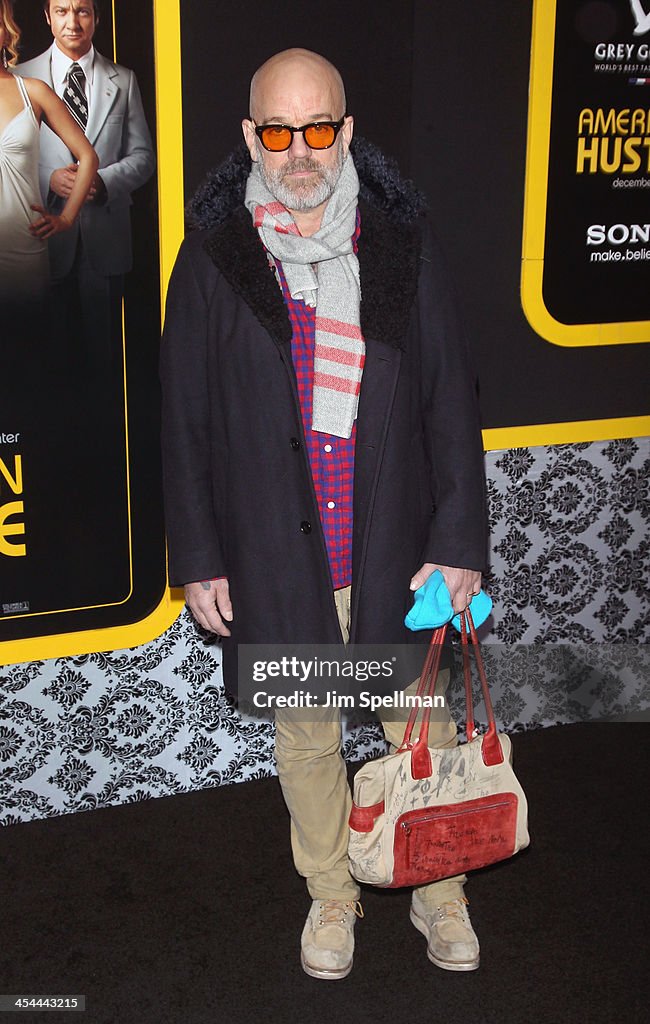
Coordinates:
<point>347,131</point>
<point>250,137</point>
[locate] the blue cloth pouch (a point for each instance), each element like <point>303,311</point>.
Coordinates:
<point>432,606</point>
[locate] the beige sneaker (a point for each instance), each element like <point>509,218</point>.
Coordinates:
<point>327,943</point>
<point>452,942</point>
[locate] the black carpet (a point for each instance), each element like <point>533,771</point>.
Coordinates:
<point>187,909</point>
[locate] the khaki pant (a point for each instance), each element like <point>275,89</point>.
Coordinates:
<point>314,783</point>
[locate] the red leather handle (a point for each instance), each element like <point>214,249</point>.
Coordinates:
<point>426,684</point>
<point>490,746</point>
<point>420,756</point>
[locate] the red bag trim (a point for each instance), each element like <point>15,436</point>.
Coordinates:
<point>362,819</point>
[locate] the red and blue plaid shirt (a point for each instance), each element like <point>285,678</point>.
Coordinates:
<point>331,458</point>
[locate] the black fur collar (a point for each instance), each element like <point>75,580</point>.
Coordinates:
<point>389,246</point>
<point>381,185</point>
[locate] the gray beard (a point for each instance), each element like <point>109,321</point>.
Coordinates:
<point>304,196</point>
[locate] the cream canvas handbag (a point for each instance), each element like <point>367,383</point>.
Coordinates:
<point>422,814</point>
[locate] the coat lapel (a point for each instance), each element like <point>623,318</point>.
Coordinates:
<point>388,262</point>
<point>389,254</point>
<point>235,248</point>
<point>378,384</point>
<point>41,67</point>
<point>104,94</point>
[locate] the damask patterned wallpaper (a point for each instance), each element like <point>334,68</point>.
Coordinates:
<point>568,640</point>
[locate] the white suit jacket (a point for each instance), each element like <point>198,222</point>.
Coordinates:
<point>118,130</point>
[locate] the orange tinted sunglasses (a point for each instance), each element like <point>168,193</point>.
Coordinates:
<point>317,134</point>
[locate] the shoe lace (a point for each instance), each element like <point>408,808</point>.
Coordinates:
<point>454,908</point>
<point>334,911</point>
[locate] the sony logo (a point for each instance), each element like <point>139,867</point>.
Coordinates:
<point>617,234</point>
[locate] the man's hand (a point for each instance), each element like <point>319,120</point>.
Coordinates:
<point>209,603</point>
<point>97,193</point>
<point>62,180</point>
<point>462,584</point>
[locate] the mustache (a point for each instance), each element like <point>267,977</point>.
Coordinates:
<point>302,164</point>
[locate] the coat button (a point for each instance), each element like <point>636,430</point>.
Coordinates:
<point>295,443</point>
<point>305,526</point>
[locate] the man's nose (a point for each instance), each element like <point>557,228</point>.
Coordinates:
<point>299,148</point>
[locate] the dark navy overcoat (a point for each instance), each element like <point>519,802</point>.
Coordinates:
<point>239,496</point>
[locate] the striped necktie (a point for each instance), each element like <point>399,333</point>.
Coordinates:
<point>74,95</point>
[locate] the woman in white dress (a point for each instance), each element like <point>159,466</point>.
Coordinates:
<point>25,225</point>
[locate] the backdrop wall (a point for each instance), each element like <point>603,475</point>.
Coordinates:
<point>567,642</point>
<point>445,92</point>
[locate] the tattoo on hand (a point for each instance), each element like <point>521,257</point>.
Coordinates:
<point>205,584</point>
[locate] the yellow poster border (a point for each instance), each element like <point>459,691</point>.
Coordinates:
<point>536,435</point>
<point>167,49</point>
<point>167,24</point>
<point>536,190</point>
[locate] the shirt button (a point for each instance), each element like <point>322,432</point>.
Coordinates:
<point>305,526</point>
<point>295,443</point>
<point>331,504</point>
<point>327,447</point>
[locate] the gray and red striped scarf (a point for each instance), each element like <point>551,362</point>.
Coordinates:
<point>323,271</point>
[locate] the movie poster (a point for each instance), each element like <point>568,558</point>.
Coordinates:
<point>81,532</point>
<point>596,256</point>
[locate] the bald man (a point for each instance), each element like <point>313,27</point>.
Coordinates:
<point>321,445</point>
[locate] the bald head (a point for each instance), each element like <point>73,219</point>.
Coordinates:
<point>299,88</point>
<point>296,73</point>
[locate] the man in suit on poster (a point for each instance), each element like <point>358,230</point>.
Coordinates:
<point>88,262</point>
